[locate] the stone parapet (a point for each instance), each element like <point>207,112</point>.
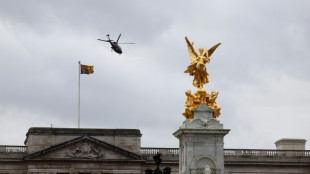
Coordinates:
<point>39,138</point>
<point>82,132</point>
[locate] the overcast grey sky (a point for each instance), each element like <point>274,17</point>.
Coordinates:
<point>261,69</point>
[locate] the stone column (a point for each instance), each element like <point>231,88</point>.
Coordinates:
<point>201,143</point>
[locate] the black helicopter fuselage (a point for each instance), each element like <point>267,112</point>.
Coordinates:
<point>116,47</point>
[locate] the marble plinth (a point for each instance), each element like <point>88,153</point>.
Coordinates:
<point>201,143</point>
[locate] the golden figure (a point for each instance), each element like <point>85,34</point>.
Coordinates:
<point>189,103</point>
<point>202,95</point>
<point>197,68</point>
<point>211,102</point>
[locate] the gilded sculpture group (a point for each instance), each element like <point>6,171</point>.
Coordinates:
<point>197,68</point>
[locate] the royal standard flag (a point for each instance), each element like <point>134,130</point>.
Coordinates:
<point>85,69</point>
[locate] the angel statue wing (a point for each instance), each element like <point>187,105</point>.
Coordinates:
<point>211,50</point>
<point>191,50</point>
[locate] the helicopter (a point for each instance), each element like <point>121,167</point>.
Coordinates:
<point>115,45</point>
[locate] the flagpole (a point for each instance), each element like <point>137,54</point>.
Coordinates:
<point>79,95</point>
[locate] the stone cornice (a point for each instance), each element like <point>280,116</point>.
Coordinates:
<point>180,132</point>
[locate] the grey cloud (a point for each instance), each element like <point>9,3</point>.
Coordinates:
<point>263,55</point>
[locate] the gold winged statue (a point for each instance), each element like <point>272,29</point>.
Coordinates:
<point>198,69</point>
<point>198,66</point>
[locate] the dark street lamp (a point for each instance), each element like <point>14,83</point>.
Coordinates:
<point>157,159</point>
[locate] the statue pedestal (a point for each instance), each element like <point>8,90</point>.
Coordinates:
<point>201,143</point>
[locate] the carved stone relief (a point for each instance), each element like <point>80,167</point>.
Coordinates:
<point>85,150</point>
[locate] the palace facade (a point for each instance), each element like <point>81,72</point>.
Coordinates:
<point>119,151</point>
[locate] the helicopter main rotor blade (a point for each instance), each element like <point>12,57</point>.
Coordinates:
<point>118,37</point>
<point>104,40</point>
<point>126,43</point>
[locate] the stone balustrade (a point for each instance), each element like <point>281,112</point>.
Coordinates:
<point>149,151</point>
<point>168,153</point>
<point>13,149</point>
<point>175,151</point>
<point>265,152</point>
<point>154,151</point>
<point>234,152</point>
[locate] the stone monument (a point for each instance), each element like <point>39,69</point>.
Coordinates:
<point>201,135</point>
